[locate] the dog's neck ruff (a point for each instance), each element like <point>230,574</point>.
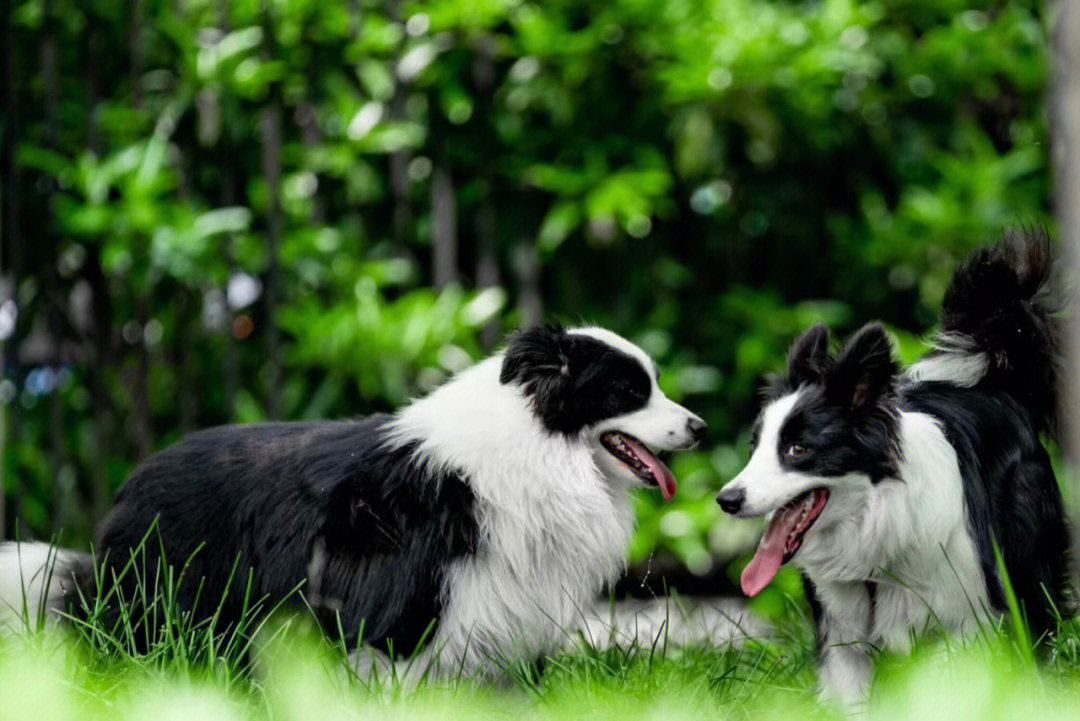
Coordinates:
<point>908,534</point>
<point>553,529</point>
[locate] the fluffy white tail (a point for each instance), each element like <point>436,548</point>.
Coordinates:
<point>34,579</point>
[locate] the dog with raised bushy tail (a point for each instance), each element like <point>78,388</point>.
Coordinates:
<point>892,491</point>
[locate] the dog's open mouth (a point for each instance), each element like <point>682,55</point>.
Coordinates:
<point>783,538</point>
<point>633,454</point>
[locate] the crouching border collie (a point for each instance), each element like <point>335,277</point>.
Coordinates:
<point>484,518</point>
<point>890,491</point>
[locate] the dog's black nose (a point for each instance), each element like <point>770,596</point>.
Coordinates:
<point>697,429</point>
<point>731,499</point>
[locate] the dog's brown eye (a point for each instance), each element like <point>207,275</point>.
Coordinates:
<point>797,451</point>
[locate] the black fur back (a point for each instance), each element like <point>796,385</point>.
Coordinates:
<point>999,305</point>
<point>1010,494</point>
<point>998,302</point>
<point>362,530</point>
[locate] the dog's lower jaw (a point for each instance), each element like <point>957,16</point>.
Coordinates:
<point>839,547</point>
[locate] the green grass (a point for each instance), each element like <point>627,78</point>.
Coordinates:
<point>286,670</point>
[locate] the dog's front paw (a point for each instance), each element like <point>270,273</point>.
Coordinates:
<point>844,678</point>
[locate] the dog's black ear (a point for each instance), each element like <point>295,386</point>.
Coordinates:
<point>538,360</point>
<point>536,353</point>
<point>865,371</point>
<point>807,358</point>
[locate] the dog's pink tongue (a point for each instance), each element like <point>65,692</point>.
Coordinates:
<point>770,552</point>
<point>660,473</point>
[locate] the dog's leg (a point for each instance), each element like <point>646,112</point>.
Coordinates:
<point>846,668</point>
<point>377,671</point>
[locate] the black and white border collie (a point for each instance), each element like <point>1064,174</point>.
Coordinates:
<point>889,490</point>
<point>492,511</point>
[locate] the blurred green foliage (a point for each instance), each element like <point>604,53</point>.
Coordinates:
<point>237,210</point>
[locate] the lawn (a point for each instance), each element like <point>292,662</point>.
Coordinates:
<point>89,671</point>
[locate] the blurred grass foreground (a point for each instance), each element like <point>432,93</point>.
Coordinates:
<point>297,678</point>
<point>238,210</point>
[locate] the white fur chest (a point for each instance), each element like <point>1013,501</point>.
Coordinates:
<point>534,577</point>
<point>910,536</point>
<point>553,530</point>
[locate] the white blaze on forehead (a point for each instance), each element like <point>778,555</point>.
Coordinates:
<point>768,485</point>
<point>772,421</point>
<point>619,343</point>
